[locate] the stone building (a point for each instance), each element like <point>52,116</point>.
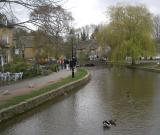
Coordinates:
<point>87,50</point>
<point>28,50</point>
<point>6,40</point>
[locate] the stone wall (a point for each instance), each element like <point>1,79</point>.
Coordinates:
<point>145,69</point>
<point>29,104</point>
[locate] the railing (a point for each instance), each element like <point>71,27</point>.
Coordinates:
<point>7,76</point>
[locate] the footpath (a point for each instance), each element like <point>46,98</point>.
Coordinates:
<point>25,86</point>
<point>52,87</point>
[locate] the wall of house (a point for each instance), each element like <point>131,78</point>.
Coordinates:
<point>9,32</point>
<point>29,53</point>
<point>7,50</point>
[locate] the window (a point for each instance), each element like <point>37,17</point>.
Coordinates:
<point>5,39</point>
<point>5,59</point>
<point>3,20</point>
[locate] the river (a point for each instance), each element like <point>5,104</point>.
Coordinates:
<point>132,97</point>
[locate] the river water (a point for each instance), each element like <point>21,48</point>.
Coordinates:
<point>132,97</point>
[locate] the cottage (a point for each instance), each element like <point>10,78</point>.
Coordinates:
<point>89,47</point>
<point>6,40</point>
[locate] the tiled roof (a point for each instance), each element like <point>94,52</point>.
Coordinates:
<point>89,44</point>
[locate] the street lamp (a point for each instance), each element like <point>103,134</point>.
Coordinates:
<point>72,61</point>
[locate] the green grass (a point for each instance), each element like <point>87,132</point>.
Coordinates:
<point>17,99</point>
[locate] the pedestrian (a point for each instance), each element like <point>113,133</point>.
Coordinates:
<point>62,63</point>
<point>67,64</point>
<point>59,64</point>
<point>70,64</point>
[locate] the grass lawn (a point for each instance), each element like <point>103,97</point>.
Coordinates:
<point>17,99</point>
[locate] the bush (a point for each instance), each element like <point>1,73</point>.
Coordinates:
<point>54,67</point>
<point>46,72</point>
<point>27,69</point>
<point>32,72</point>
<point>16,67</point>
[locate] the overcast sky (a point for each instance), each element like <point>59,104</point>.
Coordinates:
<point>93,11</point>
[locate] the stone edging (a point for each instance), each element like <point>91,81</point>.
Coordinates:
<point>145,69</point>
<point>29,104</point>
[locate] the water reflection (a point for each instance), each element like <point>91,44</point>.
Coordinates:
<point>132,100</point>
<point>130,96</point>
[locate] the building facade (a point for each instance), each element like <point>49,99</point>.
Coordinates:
<point>6,41</point>
<point>88,49</point>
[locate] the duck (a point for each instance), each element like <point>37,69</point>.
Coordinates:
<point>106,124</point>
<point>112,122</point>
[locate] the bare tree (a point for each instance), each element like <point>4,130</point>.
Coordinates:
<point>8,7</point>
<point>157,27</point>
<point>54,20</point>
<point>47,15</point>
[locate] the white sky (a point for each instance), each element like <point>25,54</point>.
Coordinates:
<point>87,12</point>
<point>93,11</point>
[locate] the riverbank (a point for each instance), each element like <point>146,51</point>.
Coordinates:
<point>23,103</point>
<point>148,67</point>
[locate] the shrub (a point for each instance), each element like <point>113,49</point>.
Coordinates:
<point>32,72</point>
<point>54,67</point>
<point>27,69</point>
<point>45,72</point>
<point>16,67</point>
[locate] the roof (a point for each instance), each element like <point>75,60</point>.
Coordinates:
<point>89,44</point>
<point>4,22</point>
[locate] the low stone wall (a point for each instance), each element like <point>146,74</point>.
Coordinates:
<point>29,104</point>
<point>145,69</point>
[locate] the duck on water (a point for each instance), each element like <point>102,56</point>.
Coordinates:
<point>109,123</point>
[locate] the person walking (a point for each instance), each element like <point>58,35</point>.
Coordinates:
<point>67,64</point>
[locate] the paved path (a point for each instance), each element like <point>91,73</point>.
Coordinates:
<point>36,82</point>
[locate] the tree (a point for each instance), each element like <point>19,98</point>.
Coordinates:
<point>84,35</point>
<point>8,7</point>
<point>19,35</point>
<point>157,27</point>
<point>43,48</point>
<point>100,35</point>
<point>129,32</point>
<point>54,20</point>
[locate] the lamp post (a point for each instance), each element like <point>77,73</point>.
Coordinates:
<point>72,61</point>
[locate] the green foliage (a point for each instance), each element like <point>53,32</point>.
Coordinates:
<point>18,58</point>
<point>16,67</point>
<point>44,47</point>
<point>46,72</point>
<point>129,32</point>
<point>132,28</point>
<point>26,68</point>
<point>32,72</point>
<point>100,34</point>
<point>72,40</point>
<point>54,67</point>
<point>82,57</point>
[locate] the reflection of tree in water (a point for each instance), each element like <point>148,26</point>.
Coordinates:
<point>132,96</point>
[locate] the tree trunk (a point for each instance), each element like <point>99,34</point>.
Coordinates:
<point>133,61</point>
